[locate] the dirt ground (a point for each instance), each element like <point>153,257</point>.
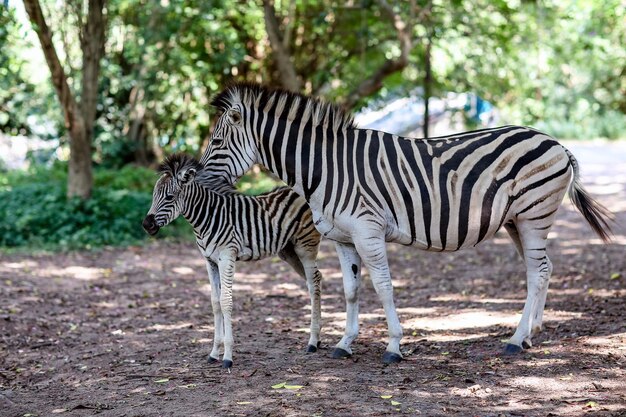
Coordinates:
<point>126,332</point>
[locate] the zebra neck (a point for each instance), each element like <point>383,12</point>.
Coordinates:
<point>296,152</point>
<point>197,202</point>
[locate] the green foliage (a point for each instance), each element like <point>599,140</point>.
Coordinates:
<point>130,178</point>
<point>36,213</point>
<point>257,182</point>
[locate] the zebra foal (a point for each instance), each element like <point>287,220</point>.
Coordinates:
<point>233,227</point>
<point>367,187</point>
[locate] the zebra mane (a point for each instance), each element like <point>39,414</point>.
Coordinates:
<point>178,161</point>
<point>277,100</point>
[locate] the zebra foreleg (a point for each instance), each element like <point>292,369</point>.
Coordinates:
<point>538,271</point>
<point>227,271</point>
<point>351,269</point>
<point>218,319</point>
<point>373,252</point>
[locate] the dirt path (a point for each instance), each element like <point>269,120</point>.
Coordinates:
<point>126,332</point>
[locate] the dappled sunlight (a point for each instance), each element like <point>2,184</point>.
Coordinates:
<point>183,270</point>
<point>80,272</point>
<point>452,337</point>
<point>474,299</point>
<point>607,340</point>
<point>465,320</point>
<point>107,305</point>
<point>24,264</point>
<point>175,326</point>
<point>286,286</point>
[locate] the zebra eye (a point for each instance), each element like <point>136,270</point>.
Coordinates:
<point>235,117</point>
<point>169,197</point>
<point>217,142</point>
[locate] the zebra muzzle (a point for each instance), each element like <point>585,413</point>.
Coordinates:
<point>149,225</point>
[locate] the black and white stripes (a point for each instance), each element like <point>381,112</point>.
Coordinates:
<point>230,226</point>
<point>367,187</point>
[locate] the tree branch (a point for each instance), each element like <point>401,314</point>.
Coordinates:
<point>374,83</point>
<point>92,45</point>
<point>289,78</point>
<point>291,20</point>
<point>59,78</point>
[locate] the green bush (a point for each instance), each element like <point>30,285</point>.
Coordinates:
<point>131,178</point>
<point>38,214</point>
<point>35,213</point>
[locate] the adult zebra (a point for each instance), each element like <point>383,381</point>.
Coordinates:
<point>367,187</point>
<point>229,227</point>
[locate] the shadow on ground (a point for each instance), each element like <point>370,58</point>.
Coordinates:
<point>126,332</point>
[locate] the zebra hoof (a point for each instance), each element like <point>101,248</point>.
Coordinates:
<point>212,359</point>
<point>390,357</point>
<point>340,353</point>
<point>527,344</point>
<point>512,349</point>
<point>227,364</point>
<point>311,349</point>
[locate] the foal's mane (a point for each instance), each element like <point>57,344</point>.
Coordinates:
<point>177,161</point>
<point>295,105</point>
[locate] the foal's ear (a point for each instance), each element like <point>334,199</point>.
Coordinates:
<point>186,175</point>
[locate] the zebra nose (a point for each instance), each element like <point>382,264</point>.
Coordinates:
<point>149,225</point>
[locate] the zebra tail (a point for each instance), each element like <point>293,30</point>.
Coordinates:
<point>594,213</point>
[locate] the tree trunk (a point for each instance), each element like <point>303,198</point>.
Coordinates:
<point>428,80</point>
<point>288,76</point>
<point>79,120</point>
<point>79,179</point>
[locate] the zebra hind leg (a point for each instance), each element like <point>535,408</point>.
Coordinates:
<point>538,271</point>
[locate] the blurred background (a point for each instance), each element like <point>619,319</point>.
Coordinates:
<point>93,93</point>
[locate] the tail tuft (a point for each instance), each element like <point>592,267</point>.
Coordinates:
<point>595,213</point>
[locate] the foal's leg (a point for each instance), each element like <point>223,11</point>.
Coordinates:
<point>303,260</point>
<point>373,252</point>
<point>227,272</point>
<point>351,269</point>
<point>307,256</point>
<point>538,270</point>
<point>218,319</point>
<point>514,234</point>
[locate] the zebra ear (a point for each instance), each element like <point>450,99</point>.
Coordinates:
<point>186,176</point>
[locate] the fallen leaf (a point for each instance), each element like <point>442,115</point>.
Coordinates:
<point>244,402</point>
<point>616,275</point>
<point>162,380</point>
<point>445,353</point>
<point>386,397</point>
<point>591,404</point>
<point>395,403</point>
<point>293,386</point>
<point>59,410</point>
<point>279,386</point>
